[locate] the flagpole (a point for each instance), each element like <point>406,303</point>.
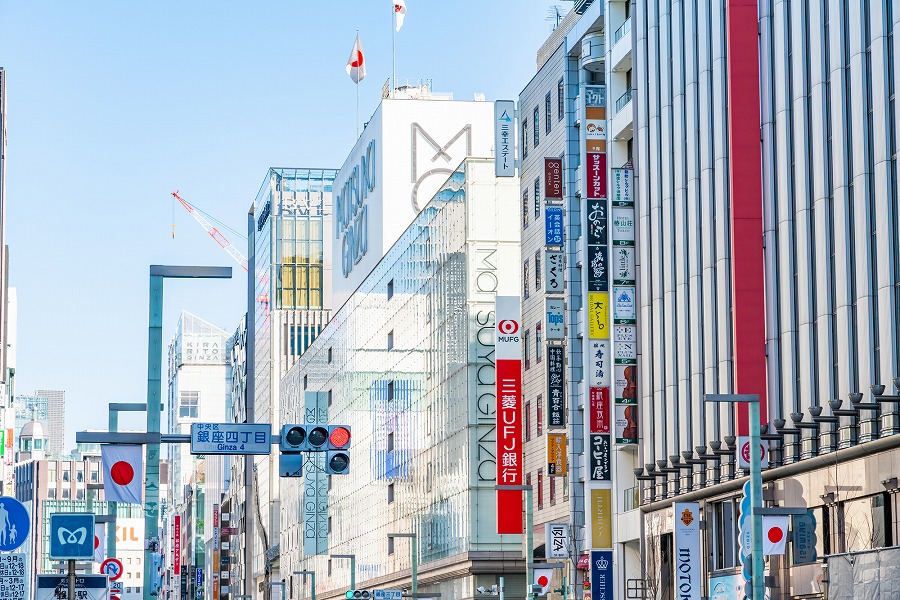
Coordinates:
<point>393,49</point>
<point>357,97</point>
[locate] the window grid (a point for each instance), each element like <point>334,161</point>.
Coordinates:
<point>525,279</point>
<point>537,197</point>
<point>525,209</point>
<point>560,99</point>
<point>547,115</point>
<point>537,127</point>
<point>524,138</point>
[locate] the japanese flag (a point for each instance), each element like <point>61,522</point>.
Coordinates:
<point>123,469</point>
<point>542,578</point>
<point>774,534</point>
<point>99,542</point>
<point>399,12</point>
<point>356,65</point>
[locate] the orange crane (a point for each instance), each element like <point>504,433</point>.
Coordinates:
<point>211,230</point>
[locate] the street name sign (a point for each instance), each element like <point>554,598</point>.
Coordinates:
<point>13,582</point>
<point>231,438</point>
<point>14,524</point>
<point>72,536</point>
<point>387,594</point>
<point>56,587</point>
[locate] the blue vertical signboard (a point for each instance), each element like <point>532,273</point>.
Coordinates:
<point>804,544</point>
<point>553,221</point>
<point>601,575</point>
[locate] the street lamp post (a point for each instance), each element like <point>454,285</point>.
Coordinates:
<point>757,583</point>
<point>281,583</point>
<point>352,558</point>
<point>529,533</point>
<point>154,392</point>
<point>312,581</point>
<point>415,558</point>
<point>114,409</point>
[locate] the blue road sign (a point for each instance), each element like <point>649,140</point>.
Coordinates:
<point>15,523</point>
<point>72,536</point>
<point>231,438</point>
<point>387,594</point>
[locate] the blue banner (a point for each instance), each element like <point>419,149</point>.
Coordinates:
<point>601,575</point>
<point>553,221</point>
<point>804,527</point>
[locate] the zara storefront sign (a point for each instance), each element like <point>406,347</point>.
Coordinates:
<point>350,211</point>
<point>688,582</point>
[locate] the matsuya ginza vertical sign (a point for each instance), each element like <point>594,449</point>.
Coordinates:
<point>508,353</point>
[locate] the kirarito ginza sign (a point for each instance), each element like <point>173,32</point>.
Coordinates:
<point>508,353</point>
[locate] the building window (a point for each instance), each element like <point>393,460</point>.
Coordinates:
<point>79,494</point>
<point>390,340</point>
<point>305,382</point>
<point>390,493</point>
<point>540,489</point>
<point>525,278</point>
<point>390,289</point>
<point>525,209</point>
<point>865,523</point>
<point>329,397</point>
<point>188,405</point>
<point>547,113</point>
<point>390,390</point>
<point>66,493</point>
<point>537,270</point>
<point>51,473</point>
<point>66,474</point>
<point>329,356</point>
<point>526,342</point>
<point>538,344</point>
<point>524,138</point>
<point>560,99</point>
<point>725,549</point>
<point>537,127</point>
<point>390,442</point>
<point>95,472</point>
<point>79,473</point>
<point>552,491</point>
<point>390,539</point>
<point>540,416</point>
<point>51,493</point>
<point>527,416</point>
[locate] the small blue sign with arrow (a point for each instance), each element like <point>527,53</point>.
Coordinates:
<point>15,524</point>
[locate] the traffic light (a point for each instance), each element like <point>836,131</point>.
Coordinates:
<point>304,437</point>
<point>156,563</point>
<point>358,595</point>
<point>337,456</point>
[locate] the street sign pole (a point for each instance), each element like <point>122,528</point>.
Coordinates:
<point>71,595</point>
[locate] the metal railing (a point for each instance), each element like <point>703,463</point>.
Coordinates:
<point>622,30</point>
<point>623,100</point>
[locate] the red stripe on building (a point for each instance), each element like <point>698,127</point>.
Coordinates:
<point>745,172</point>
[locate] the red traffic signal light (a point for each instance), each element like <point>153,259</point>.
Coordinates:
<point>339,437</point>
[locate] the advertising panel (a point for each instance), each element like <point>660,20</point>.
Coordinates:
<point>626,384</point>
<point>622,187</point>
<point>601,518</point>
<point>556,387</point>
<point>504,138</point>
<point>625,337</point>
<point>600,409</point>
<point>596,175</point>
<point>553,178</point>
<point>598,315</point>
<point>624,305</point>
<point>557,456</point>
<point>598,269</point>
<point>600,457</point>
<point>597,223</point>
<point>623,226</point>
<point>601,575</point>
<point>726,587</point>
<point>623,266</point>
<point>804,538</point>
<point>508,353</point>
<point>555,327</point>
<point>554,274</point>
<point>688,560</point>
<point>553,224</point>
<point>597,246</point>
<point>176,545</point>
<point>557,542</point>
<point>599,363</point>
<point>215,557</point>
<point>626,424</point>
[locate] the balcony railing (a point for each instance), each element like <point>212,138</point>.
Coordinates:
<point>623,100</point>
<point>621,31</point>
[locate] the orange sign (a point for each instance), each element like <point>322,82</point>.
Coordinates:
<point>557,458</point>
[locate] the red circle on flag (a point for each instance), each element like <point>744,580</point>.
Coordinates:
<point>122,473</point>
<point>96,542</point>
<point>543,581</point>
<point>775,534</point>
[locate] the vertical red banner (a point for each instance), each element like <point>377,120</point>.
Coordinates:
<point>176,546</point>
<point>508,354</point>
<point>596,175</point>
<point>599,418</point>
<point>553,184</point>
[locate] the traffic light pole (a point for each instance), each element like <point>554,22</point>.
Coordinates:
<point>312,581</point>
<point>352,558</point>
<point>154,393</point>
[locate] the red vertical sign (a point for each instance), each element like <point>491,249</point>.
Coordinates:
<point>599,418</point>
<point>553,182</point>
<point>508,354</point>
<point>176,546</point>
<point>596,175</point>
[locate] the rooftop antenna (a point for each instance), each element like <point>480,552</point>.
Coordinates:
<point>555,14</point>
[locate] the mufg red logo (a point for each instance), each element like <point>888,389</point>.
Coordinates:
<point>508,326</point>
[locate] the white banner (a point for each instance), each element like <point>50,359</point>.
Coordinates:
<point>555,327</point>
<point>688,560</point>
<point>557,540</point>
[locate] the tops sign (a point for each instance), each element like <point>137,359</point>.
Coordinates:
<point>351,220</point>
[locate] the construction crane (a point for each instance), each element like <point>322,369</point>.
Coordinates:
<point>214,233</point>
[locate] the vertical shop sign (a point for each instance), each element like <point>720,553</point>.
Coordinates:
<point>600,409</point>
<point>804,538</point>
<point>600,457</point>
<point>557,540</point>
<point>626,424</point>
<point>555,327</point>
<point>553,224</point>
<point>599,363</point>
<point>601,518</point>
<point>598,315</point>
<point>688,575</point>
<point>176,545</point>
<point>556,385</point>
<point>624,305</point>
<point>216,548</point>
<point>623,265</point>
<point>508,353</point>
<point>554,275</point>
<point>504,138</point>
<point>602,575</point>
<point>622,187</point>
<point>626,384</point>
<point>553,178</point>
<point>557,455</point>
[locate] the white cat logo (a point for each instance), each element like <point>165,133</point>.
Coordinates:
<point>72,537</point>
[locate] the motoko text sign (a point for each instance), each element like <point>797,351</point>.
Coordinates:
<point>508,354</point>
<point>688,575</point>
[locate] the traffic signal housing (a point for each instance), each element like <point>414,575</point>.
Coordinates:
<point>337,456</point>
<point>358,595</point>
<point>304,437</point>
<point>156,563</point>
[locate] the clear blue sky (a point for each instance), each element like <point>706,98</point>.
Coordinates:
<point>112,105</point>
